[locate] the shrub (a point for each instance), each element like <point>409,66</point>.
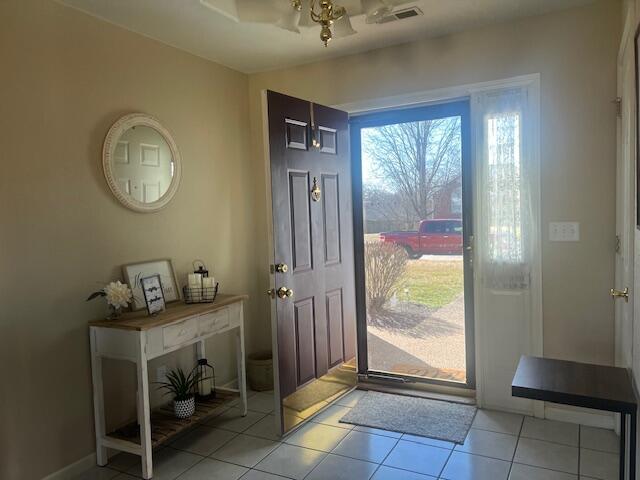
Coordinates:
<point>384,266</point>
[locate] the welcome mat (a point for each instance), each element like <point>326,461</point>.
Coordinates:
<point>417,416</point>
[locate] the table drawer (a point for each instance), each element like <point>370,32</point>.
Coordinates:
<point>212,322</point>
<point>182,332</point>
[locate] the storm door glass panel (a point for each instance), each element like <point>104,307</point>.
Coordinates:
<point>412,193</point>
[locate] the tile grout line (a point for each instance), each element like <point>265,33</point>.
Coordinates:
<point>513,457</point>
<point>386,456</point>
<point>579,447</point>
<point>446,462</point>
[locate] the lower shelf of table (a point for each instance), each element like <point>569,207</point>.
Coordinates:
<point>165,425</point>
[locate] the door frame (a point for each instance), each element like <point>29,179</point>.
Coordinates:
<point>456,92</point>
<point>459,107</point>
<point>626,199</point>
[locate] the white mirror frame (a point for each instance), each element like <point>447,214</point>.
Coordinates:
<point>110,142</point>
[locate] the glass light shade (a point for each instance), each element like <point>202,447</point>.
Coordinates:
<point>375,10</point>
<point>290,20</point>
<point>305,18</point>
<point>342,27</point>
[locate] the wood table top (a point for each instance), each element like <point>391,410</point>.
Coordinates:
<point>141,320</point>
<point>573,383</point>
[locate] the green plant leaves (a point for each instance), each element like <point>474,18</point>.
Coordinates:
<point>179,384</point>
<point>99,293</point>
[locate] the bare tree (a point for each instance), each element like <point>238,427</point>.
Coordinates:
<point>416,160</point>
<point>387,208</point>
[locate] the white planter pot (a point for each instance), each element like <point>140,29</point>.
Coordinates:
<point>184,408</point>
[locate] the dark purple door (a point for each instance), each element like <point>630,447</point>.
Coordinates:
<point>313,237</point>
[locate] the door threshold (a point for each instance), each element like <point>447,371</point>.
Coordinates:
<point>465,396</point>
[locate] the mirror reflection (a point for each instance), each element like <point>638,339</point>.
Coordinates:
<point>142,164</point>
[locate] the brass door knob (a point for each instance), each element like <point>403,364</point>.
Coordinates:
<point>620,294</point>
<point>284,292</point>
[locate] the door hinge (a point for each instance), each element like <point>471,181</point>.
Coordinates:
<point>617,243</point>
<point>618,102</point>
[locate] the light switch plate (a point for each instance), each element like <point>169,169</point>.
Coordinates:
<point>564,231</point>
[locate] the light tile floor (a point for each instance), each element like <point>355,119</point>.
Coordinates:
<point>500,446</point>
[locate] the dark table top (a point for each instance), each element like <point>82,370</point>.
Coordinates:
<point>574,383</point>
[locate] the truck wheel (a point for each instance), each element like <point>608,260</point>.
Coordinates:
<point>412,255</point>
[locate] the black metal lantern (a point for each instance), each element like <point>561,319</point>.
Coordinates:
<point>206,386</point>
<point>202,268</point>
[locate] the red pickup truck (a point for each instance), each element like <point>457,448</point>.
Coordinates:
<point>434,236</point>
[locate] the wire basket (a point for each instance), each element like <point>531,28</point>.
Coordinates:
<point>200,294</point>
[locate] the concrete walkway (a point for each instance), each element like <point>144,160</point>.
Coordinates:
<point>407,334</point>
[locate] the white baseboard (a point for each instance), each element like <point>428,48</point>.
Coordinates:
<point>583,416</point>
<point>74,469</point>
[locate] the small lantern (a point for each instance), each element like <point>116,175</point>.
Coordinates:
<point>206,379</point>
<point>202,268</point>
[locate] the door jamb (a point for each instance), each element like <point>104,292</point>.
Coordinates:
<point>271,259</point>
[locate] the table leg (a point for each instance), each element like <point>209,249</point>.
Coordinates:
<point>623,438</point>
<point>144,410</point>
<point>632,445</point>
<point>242,380</point>
<point>98,400</point>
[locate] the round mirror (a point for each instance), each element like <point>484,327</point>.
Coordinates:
<point>141,163</point>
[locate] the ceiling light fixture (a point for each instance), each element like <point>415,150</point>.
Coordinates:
<point>291,19</point>
<point>342,27</point>
<point>333,19</point>
<point>375,10</point>
<point>327,14</point>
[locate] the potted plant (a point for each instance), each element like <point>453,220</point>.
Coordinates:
<point>181,386</point>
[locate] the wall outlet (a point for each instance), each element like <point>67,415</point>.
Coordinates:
<point>161,373</point>
<point>564,231</point>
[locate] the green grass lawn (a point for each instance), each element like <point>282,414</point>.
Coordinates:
<point>432,283</point>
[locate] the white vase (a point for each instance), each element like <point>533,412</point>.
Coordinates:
<point>184,408</point>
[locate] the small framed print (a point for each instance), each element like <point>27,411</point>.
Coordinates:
<point>164,267</point>
<point>152,291</point>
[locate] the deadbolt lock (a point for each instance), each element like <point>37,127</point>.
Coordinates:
<point>282,268</point>
<point>284,292</point>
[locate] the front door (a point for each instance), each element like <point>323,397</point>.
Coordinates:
<point>313,275</point>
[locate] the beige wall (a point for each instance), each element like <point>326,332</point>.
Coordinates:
<point>575,53</point>
<point>65,78</point>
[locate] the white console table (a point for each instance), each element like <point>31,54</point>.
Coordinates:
<point>137,337</point>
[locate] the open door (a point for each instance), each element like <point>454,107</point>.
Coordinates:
<point>312,289</point>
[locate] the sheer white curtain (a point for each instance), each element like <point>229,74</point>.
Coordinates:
<point>506,223</point>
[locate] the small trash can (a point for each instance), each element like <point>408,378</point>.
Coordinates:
<point>260,371</point>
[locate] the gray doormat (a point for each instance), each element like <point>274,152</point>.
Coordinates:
<point>417,416</point>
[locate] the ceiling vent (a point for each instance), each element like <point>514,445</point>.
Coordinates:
<point>402,14</point>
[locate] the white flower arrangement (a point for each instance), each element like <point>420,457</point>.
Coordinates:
<point>117,294</point>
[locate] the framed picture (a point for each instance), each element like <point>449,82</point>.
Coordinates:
<point>152,292</point>
<point>637,82</point>
<point>134,272</point>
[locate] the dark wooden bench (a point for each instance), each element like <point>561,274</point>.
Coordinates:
<point>582,385</point>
